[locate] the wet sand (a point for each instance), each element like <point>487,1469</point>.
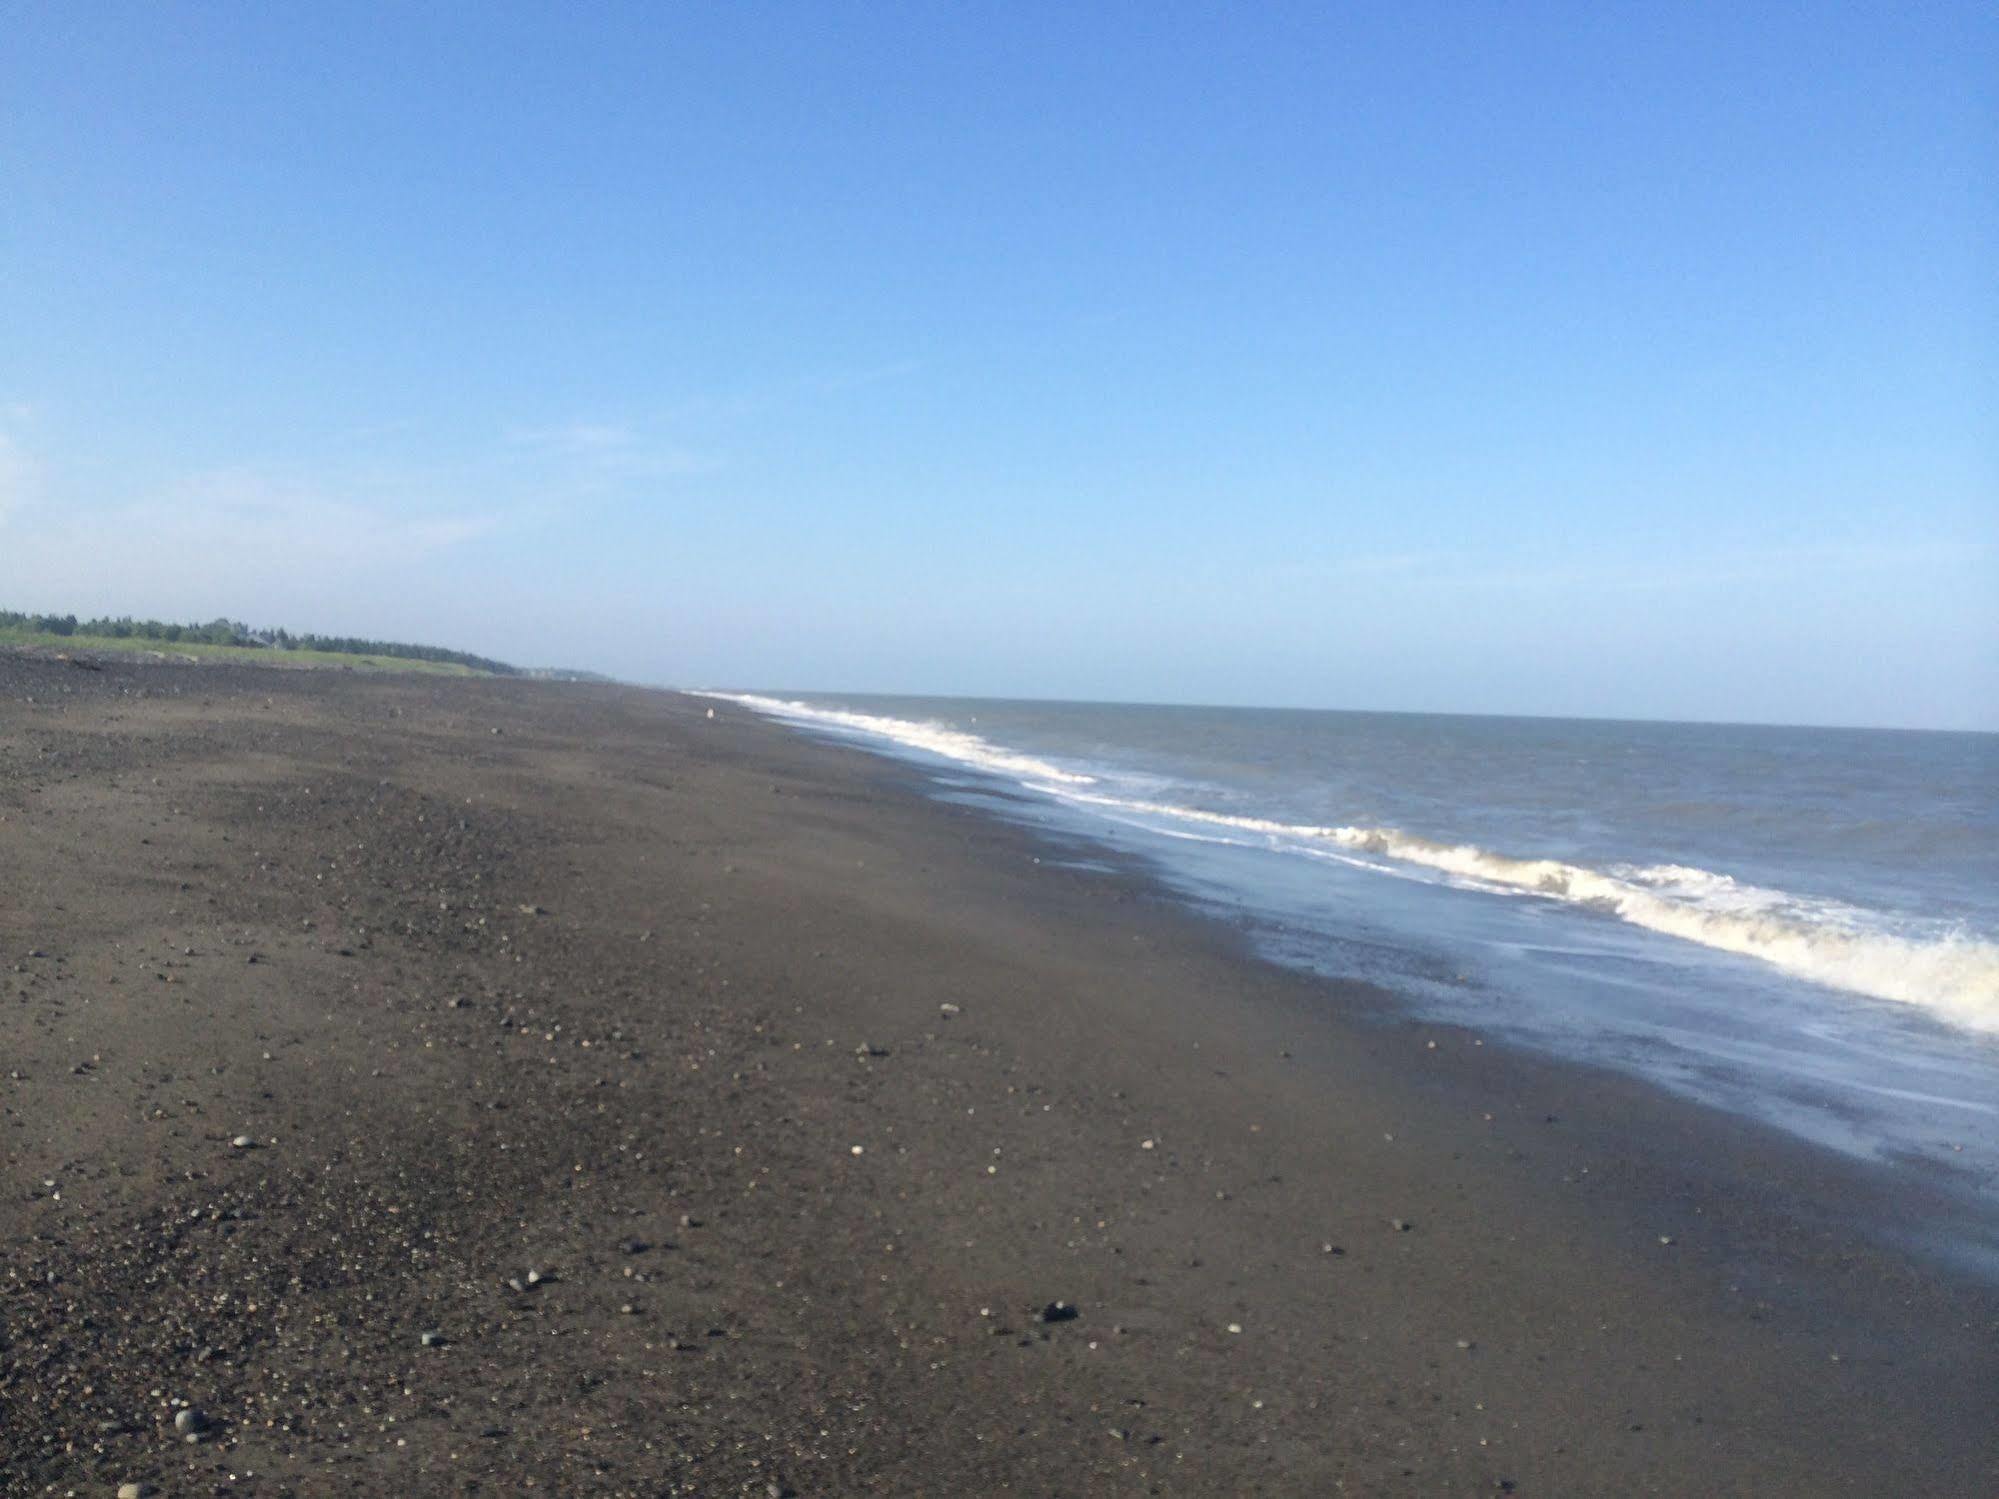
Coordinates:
<point>810,1098</point>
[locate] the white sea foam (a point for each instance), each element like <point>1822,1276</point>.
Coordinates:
<point>1953,975</point>
<point>938,739</point>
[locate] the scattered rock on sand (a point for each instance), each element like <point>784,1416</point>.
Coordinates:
<point>133,1491</point>
<point>432,1339</point>
<point>243,1142</point>
<point>190,1423</point>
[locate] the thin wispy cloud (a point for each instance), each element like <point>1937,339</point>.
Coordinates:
<point>1358,565</point>
<point>234,540</point>
<point>15,476</point>
<point>1720,567</point>
<point>1544,570</point>
<point>19,472</point>
<point>862,376</point>
<point>598,453</point>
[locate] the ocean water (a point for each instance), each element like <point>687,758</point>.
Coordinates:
<point>1798,924</point>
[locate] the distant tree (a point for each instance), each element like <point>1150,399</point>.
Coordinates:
<point>235,633</point>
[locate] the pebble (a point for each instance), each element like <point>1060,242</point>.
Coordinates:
<point>1058,1311</point>
<point>535,1277</point>
<point>1400,1225</point>
<point>133,1491</point>
<point>190,1423</point>
<point>243,1142</point>
<point>431,1339</point>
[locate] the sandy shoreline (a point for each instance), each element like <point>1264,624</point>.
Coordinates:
<point>656,1004</point>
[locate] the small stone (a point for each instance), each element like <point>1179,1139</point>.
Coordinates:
<point>431,1339</point>
<point>535,1277</point>
<point>243,1142</point>
<point>633,1246</point>
<point>189,1422</point>
<point>1235,1327</point>
<point>1400,1225</point>
<point>1148,1145</point>
<point>1058,1311</point>
<point>133,1491</point>
<point>947,1008</point>
<point>627,1310</point>
<point>859,1149</point>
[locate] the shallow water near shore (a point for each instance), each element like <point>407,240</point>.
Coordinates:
<point>1801,925</point>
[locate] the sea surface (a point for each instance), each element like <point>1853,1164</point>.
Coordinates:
<point>1798,924</point>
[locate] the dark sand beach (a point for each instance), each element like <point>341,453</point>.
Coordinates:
<point>863,1146</point>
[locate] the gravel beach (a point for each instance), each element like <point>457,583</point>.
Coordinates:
<point>421,1086</point>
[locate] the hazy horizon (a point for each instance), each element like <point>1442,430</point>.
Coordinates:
<point>1548,362</point>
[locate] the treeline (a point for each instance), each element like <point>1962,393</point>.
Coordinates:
<point>235,632</point>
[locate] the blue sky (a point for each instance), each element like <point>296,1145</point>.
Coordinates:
<point>1620,360</point>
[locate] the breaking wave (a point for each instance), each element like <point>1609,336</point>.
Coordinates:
<point>952,744</point>
<point>1952,974</point>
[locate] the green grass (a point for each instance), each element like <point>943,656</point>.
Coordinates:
<point>201,650</point>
